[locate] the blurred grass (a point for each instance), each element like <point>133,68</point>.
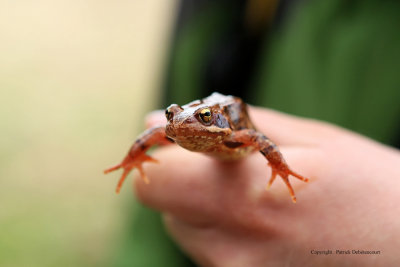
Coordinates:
<point>76,78</point>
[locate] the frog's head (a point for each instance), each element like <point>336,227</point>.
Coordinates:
<point>196,126</point>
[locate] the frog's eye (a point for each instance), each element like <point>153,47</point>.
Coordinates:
<point>205,115</point>
<point>169,114</point>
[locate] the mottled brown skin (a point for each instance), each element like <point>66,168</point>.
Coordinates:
<point>218,126</point>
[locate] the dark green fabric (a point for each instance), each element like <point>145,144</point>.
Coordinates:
<point>336,60</point>
<point>192,45</point>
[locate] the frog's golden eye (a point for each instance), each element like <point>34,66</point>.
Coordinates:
<point>169,114</point>
<point>205,115</point>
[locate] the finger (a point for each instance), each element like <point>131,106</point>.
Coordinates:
<point>155,118</point>
<point>214,246</point>
<point>284,129</point>
<point>193,240</point>
<point>176,184</point>
<point>200,189</point>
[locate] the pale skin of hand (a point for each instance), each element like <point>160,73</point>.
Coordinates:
<point>221,215</point>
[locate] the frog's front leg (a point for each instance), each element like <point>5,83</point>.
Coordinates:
<point>250,137</point>
<point>137,153</point>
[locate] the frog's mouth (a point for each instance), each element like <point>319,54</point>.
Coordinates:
<point>171,131</point>
<point>186,134</point>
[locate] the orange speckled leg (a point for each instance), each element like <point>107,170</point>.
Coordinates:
<point>271,152</point>
<point>137,154</point>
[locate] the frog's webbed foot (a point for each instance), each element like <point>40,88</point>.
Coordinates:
<point>250,137</point>
<point>283,171</point>
<point>130,163</point>
<point>137,153</point>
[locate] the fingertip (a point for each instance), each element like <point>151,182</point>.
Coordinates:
<point>155,118</point>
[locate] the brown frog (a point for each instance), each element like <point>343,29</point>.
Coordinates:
<point>218,126</point>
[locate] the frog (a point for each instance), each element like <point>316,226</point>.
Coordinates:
<point>218,126</point>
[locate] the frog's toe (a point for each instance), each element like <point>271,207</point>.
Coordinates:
<point>271,180</point>
<point>298,176</point>
<point>284,172</point>
<point>130,163</point>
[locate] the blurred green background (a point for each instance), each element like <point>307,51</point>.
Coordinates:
<point>76,79</point>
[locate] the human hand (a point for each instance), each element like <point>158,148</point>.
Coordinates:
<point>221,215</point>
